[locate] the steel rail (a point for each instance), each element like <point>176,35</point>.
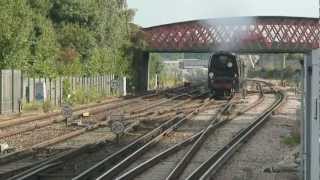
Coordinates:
<point>179,168</point>
<point>216,122</point>
<point>162,102</point>
<point>55,160</point>
<point>119,167</point>
<point>8,157</point>
<point>137,122</point>
<point>34,171</point>
<point>59,118</point>
<point>18,121</point>
<point>132,173</point>
<point>149,163</point>
<point>208,168</point>
<point>126,151</point>
<point>27,174</point>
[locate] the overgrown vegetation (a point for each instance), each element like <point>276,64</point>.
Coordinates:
<point>157,69</point>
<point>66,37</point>
<point>32,106</point>
<point>286,73</point>
<point>170,80</point>
<point>82,96</point>
<point>78,97</point>
<point>292,140</point>
<point>45,106</point>
<point>287,69</point>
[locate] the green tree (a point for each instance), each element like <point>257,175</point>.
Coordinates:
<point>43,48</point>
<point>68,62</point>
<point>79,38</point>
<point>67,37</point>
<point>15,30</point>
<point>98,30</point>
<point>155,64</point>
<point>40,6</point>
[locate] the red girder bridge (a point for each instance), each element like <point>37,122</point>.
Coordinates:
<point>241,34</point>
<point>249,35</point>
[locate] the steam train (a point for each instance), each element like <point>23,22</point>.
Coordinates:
<point>224,74</point>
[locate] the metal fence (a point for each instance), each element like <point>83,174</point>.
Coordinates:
<point>16,88</point>
<point>10,82</point>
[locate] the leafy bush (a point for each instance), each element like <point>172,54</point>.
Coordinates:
<point>66,90</point>
<point>32,106</point>
<point>47,106</point>
<point>287,74</point>
<point>82,96</point>
<point>170,80</point>
<point>78,97</point>
<point>93,94</point>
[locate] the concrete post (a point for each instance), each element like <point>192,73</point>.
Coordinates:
<point>156,84</point>
<point>312,116</point>
<point>123,86</point>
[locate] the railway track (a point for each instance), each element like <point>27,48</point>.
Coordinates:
<point>43,145</point>
<point>94,108</point>
<point>75,153</point>
<point>191,162</point>
<point>132,151</point>
<point>192,154</point>
<point>166,151</point>
<point>209,167</point>
<point>14,133</point>
<point>180,142</point>
<point>161,161</point>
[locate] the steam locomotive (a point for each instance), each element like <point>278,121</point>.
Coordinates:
<point>224,74</point>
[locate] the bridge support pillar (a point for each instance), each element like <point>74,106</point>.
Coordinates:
<point>141,65</point>
<point>310,125</point>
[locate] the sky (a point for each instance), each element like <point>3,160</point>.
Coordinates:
<point>156,12</point>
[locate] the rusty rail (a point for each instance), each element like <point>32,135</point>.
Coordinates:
<point>208,168</point>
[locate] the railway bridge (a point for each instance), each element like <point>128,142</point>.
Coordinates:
<point>251,35</point>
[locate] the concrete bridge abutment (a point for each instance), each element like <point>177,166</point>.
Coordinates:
<point>141,73</point>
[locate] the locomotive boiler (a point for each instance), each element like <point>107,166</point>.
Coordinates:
<point>224,71</point>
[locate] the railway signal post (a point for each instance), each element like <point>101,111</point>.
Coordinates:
<point>67,112</point>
